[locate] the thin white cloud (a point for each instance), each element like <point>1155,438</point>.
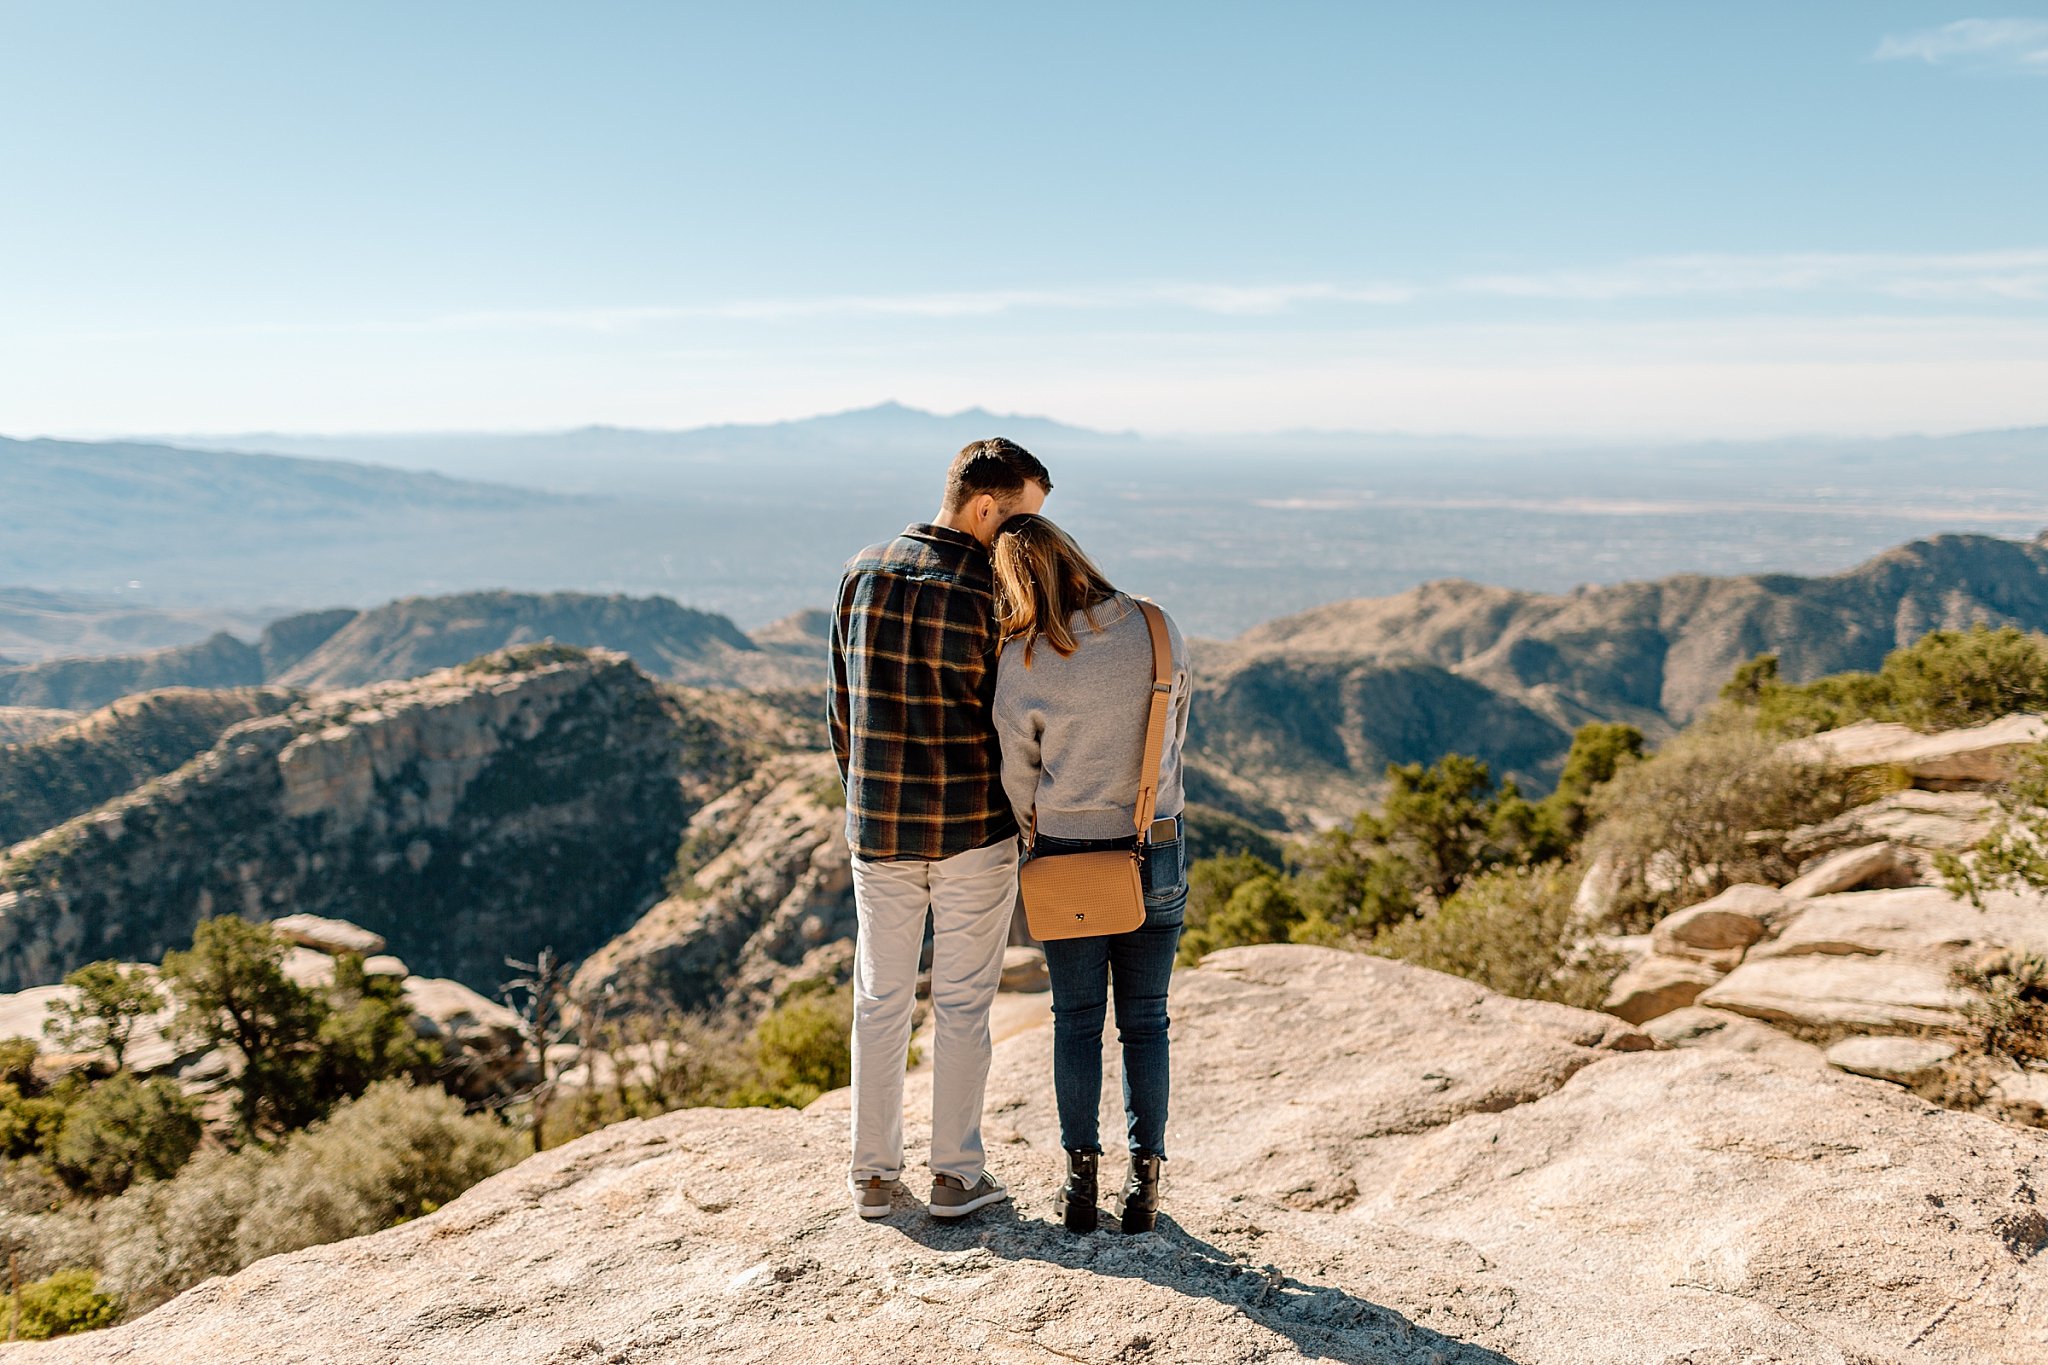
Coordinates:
<point>1221,299</point>
<point>1984,275</point>
<point>1986,279</point>
<point>1974,44</point>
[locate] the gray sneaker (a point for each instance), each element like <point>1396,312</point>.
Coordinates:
<point>953,1198</point>
<point>871,1197</point>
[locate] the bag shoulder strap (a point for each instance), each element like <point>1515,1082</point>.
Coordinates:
<point>1155,719</point>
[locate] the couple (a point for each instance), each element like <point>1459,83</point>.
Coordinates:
<point>987,680</point>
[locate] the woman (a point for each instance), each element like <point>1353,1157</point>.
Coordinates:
<point>1073,686</point>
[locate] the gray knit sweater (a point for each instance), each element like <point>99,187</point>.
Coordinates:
<point>1073,729</point>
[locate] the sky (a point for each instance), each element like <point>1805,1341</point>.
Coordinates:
<point>1560,219</point>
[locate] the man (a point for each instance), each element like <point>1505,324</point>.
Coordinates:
<point>913,681</point>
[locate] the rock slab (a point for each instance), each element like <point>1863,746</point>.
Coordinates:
<point>1370,1163</point>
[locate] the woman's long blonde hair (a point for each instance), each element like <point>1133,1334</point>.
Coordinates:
<point>1042,579</point>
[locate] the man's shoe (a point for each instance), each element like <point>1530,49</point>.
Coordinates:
<point>871,1197</point>
<point>1077,1198</point>
<point>952,1197</point>
<point>1141,1194</point>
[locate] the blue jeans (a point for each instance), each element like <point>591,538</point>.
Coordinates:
<point>1135,968</point>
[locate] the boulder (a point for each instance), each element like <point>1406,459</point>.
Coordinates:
<point>1718,1030</point>
<point>1715,931</point>
<point>384,964</point>
<point>328,935</point>
<point>1922,822</point>
<point>309,967</point>
<point>1977,756</point>
<point>1658,985</point>
<point>1901,1060</point>
<point>153,1045</point>
<point>1921,922</point>
<point>1371,1162</point>
<point>1882,864</point>
<point>2021,1096</point>
<point>1833,995</point>
<point>1024,970</point>
<point>480,1037</point>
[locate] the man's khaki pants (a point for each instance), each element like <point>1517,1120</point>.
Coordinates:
<point>970,897</point>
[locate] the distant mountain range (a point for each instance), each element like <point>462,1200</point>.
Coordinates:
<point>602,459</point>
<point>1303,714</point>
<point>753,522</point>
<point>1295,721</point>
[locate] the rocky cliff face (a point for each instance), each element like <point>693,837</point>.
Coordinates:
<point>765,897</point>
<point>1370,1162</point>
<point>519,801</point>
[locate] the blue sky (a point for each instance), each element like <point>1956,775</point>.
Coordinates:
<point>1549,219</point>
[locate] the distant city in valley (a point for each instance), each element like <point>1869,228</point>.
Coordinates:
<point>753,522</point>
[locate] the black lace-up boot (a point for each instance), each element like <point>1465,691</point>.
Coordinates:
<point>1141,1193</point>
<point>1077,1199</point>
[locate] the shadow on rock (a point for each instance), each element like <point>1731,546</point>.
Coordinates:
<point>1323,1321</point>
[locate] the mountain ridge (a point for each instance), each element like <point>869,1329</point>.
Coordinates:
<point>1298,717</point>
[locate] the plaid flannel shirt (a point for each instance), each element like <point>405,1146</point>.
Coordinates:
<point>913,683</point>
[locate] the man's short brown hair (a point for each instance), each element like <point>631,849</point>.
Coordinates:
<point>997,466</point>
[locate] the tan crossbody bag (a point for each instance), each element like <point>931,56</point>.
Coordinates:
<point>1085,895</point>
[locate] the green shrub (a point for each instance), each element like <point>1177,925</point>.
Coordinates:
<point>799,1050</point>
<point>396,1153</point>
<point>1947,679</point>
<point>2014,855</point>
<point>18,1063</point>
<point>32,1120</point>
<point>1511,930</point>
<point>68,1301</point>
<point>1710,809</point>
<point>124,1130</point>
<point>1234,901</point>
<point>161,1237</point>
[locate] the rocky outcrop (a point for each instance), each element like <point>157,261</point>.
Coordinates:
<point>483,1052</point>
<point>1905,1061</point>
<point>517,802</point>
<point>1859,951</point>
<point>1921,823</point>
<point>765,898</point>
<point>1421,1172</point>
<point>482,1048</point>
<point>328,935</point>
<point>1969,758</point>
<point>1872,866</point>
